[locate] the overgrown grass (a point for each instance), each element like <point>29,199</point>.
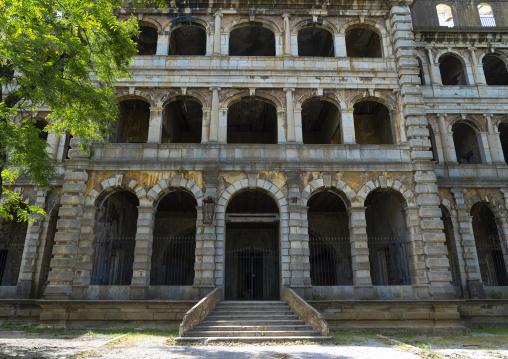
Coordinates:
<point>345,337</point>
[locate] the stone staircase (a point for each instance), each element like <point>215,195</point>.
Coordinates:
<point>251,322</point>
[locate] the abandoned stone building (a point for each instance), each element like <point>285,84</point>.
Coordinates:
<point>352,151</point>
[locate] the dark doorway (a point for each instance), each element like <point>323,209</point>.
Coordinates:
<point>252,248</point>
<point>252,40</point>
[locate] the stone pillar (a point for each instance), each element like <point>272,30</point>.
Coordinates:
<point>425,227</point>
<point>209,43</point>
<point>143,251</point>
<point>472,268</point>
<point>297,114</point>
<point>28,268</point>
<point>449,154</point>
<point>287,35</point>
<point>205,132</point>
<point>53,142</point>
<point>223,125</point>
<point>478,78</point>
<point>434,78</point>
<point>503,235</point>
<point>347,126</point>
<point>162,43</point>
<point>214,115</point>
<point>339,45</point>
<point>290,116</point>
<point>483,144</point>
<point>217,33</point>
<point>281,125</point>
<point>155,125</point>
<point>496,152</point>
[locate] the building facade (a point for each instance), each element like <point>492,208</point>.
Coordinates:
<point>343,149</point>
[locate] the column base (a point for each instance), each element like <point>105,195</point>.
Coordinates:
<point>138,292</point>
<point>364,292</point>
<point>475,290</point>
<point>23,291</point>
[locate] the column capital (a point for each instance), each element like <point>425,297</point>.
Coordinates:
<point>347,110</point>
<point>286,15</point>
<point>214,88</point>
<point>288,89</point>
<point>217,13</point>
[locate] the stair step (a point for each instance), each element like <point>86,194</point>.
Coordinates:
<point>251,333</point>
<point>276,339</point>
<point>243,317</point>
<point>234,321</point>
<point>252,327</point>
<point>254,312</point>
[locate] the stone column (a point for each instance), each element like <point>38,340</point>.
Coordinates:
<point>290,116</point>
<point>217,33</point>
<point>281,125</point>
<point>155,125</point>
<point>360,252</point>
<point>205,131</point>
<point>28,267</point>
<point>434,78</point>
<point>449,154</point>
<point>496,152</point>
<point>297,114</point>
<point>472,269</point>
<point>287,35</point>
<point>339,44</point>
<point>483,144</point>
<point>437,281</point>
<point>214,115</point>
<point>162,43</point>
<point>478,78</point>
<point>53,142</point>
<point>223,125</point>
<point>503,235</point>
<point>143,251</point>
<point>347,126</point>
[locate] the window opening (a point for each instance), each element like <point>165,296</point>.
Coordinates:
<point>494,68</point>
<point>133,122</point>
<point>146,41</point>
<point>486,15</point>
<point>188,39</point>
<point>466,144</point>
<point>372,123</point>
<point>12,242</point>
<point>363,42</point>
<point>320,122</point>
<point>452,71</point>
<point>444,14</point>
<point>315,41</point>
<point>252,40</point>
<point>252,120</point>
<point>183,121</point>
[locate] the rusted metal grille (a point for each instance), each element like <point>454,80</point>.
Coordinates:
<point>330,261</point>
<point>173,260</point>
<point>492,265</point>
<point>10,262</point>
<point>388,261</point>
<point>113,259</point>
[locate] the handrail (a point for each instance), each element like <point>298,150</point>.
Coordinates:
<point>200,311</point>
<point>305,311</point>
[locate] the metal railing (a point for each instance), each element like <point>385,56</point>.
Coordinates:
<point>388,261</point>
<point>487,20</point>
<point>491,260</point>
<point>113,259</point>
<point>330,261</point>
<point>173,260</point>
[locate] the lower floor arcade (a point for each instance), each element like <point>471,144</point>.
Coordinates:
<point>312,232</point>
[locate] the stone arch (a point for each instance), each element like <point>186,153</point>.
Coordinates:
<point>474,123</point>
<point>465,61</point>
<point>115,183</point>
<point>231,100</point>
<point>378,97</point>
<point>337,186</point>
<point>164,100</point>
<point>384,182</point>
<point>322,23</point>
<point>496,206</point>
<point>449,206</point>
<point>137,95</point>
<point>377,28</point>
<point>502,55</point>
<point>165,186</point>
<point>264,22</point>
<point>146,21</point>
<point>183,20</point>
<point>331,96</point>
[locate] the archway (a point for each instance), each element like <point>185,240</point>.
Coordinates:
<point>363,42</point>
<point>12,242</point>
<point>252,247</point>
<point>372,123</point>
<point>183,121</point>
<point>174,240</point>
<point>494,68</point>
<point>466,144</point>
<point>320,122</point>
<point>315,41</point>
<point>488,246</point>
<point>329,245</point>
<point>252,40</point>
<point>146,41</point>
<point>452,71</point>
<point>188,39</point>
<point>133,122</point>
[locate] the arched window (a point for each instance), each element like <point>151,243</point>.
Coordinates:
<point>452,71</point>
<point>315,41</point>
<point>174,240</point>
<point>466,144</point>
<point>188,39</point>
<point>363,42</point>
<point>495,70</point>
<point>12,242</point>
<point>486,15</point>
<point>183,121</point>
<point>488,246</point>
<point>330,249</point>
<point>320,122</point>
<point>115,238</point>
<point>252,40</point>
<point>372,123</point>
<point>386,231</point>
<point>444,14</point>
<point>133,122</point>
<point>503,136</point>
<point>146,40</point>
<point>252,120</point>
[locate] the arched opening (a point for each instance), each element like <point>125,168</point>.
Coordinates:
<point>252,120</point>
<point>488,246</point>
<point>444,15</point>
<point>494,68</point>
<point>183,121</point>
<point>503,136</point>
<point>386,231</point>
<point>132,124</point>
<point>486,15</point>
<point>174,240</point>
<point>432,139</point>
<point>466,144</point>
<point>115,239</point>
<point>320,122</point>
<point>315,41</point>
<point>48,252</point>
<point>252,40</point>
<point>12,242</point>
<point>452,71</point>
<point>421,75</point>
<point>41,126</point>
<point>188,39</point>
<point>146,41</point>
<point>252,247</point>
<point>372,123</point>
<point>363,42</point>
<point>451,246</point>
<point>330,249</point>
